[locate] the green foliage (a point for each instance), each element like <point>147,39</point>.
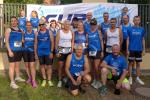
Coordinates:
<point>23,1</point>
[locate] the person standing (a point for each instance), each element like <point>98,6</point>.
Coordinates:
<point>112,36</point>
<point>64,46</point>
<point>95,51</point>
<point>28,54</point>
<point>14,41</point>
<point>135,48</point>
<point>44,46</point>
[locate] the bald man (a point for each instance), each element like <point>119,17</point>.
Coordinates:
<point>114,67</point>
<point>89,16</point>
<point>77,69</point>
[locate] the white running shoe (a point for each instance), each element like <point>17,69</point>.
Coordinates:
<point>130,80</point>
<point>19,79</point>
<point>98,85</point>
<point>93,84</point>
<point>139,81</point>
<point>59,85</point>
<point>14,85</point>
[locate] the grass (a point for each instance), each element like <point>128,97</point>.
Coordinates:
<point>26,92</point>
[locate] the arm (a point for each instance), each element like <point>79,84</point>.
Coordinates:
<point>123,75</point>
<point>72,41</point>
<point>52,44</point>
<point>127,45</point>
<point>105,65</point>
<point>68,67</point>
<point>57,40</point>
<point>52,41</point>
<point>7,34</point>
<point>86,66</point>
<point>101,40</point>
<point>120,37</point>
<point>35,44</point>
<point>105,37</point>
<point>99,27</point>
<point>143,46</point>
<point>86,39</point>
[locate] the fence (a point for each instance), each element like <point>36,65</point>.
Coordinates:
<point>8,10</point>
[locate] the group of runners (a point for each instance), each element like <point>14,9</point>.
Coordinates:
<point>87,52</point>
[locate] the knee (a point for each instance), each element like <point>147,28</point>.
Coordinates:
<point>74,92</point>
<point>104,71</point>
<point>87,79</point>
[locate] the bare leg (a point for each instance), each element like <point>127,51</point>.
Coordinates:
<point>49,72</point>
<point>33,71</point>
<point>11,71</point>
<point>43,71</point>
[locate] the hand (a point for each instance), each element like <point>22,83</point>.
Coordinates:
<point>36,56</point>
<point>74,82</point>
<point>51,56</point>
<point>11,54</point>
<point>127,52</point>
<point>118,85</point>
<point>114,72</point>
<point>58,55</point>
<point>86,44</point>
<point>79,80</point>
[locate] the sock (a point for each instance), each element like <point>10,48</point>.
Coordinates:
<point>137,78</point>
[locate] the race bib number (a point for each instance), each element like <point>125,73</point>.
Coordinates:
<point>77,74</point>
<point>64,50</point>
<point>92,53</point>
<point>35,29</point>
<point>17,44</point>
<point>109,49</point>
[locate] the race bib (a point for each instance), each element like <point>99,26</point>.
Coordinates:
<point>64,50</point>
<point>17,44</point>
<point>77,74</point>
<point>35,29</point>
<point>92,53</point>
<point>109,49</point>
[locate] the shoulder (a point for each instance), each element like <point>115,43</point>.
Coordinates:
<point>8,30</point>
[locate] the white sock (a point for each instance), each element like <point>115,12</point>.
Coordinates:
<point>137,78</point>
<point>12,82</point>
<point>130,77</point>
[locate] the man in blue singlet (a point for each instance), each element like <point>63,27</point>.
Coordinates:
<point>136,46</point>
<point>105,25</point>
<point>125,26</point>
<point>77,69</point>
<point>87,22</point>
<point>114,65</point>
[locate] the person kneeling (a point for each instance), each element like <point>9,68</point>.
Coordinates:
<point>77,69</point>
<point>114,67</point>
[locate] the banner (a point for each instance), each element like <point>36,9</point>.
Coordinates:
<point>62,12</point>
